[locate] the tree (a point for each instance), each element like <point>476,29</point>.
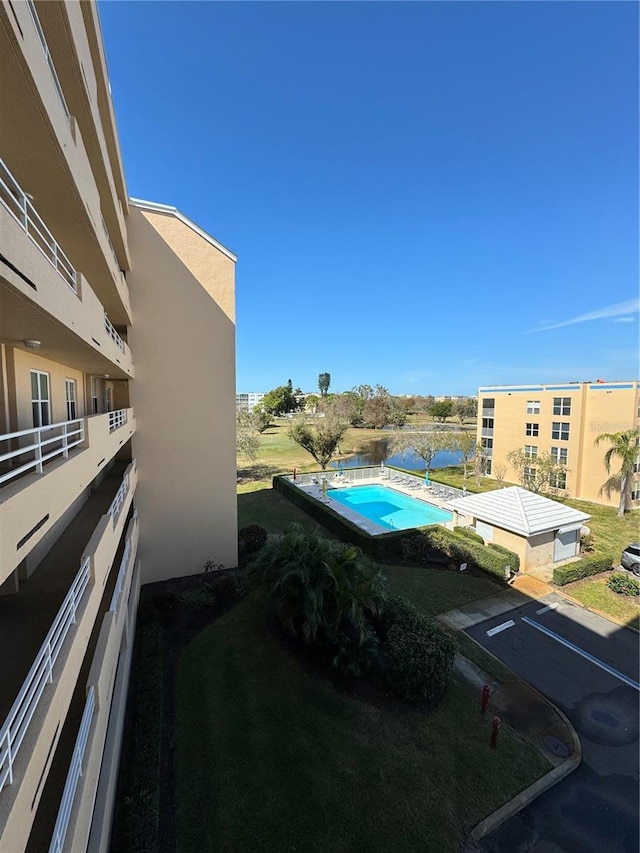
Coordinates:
<point>324,380</point>
<point>624,446</point>
<point>500,472</point>
<point>321,439</point>
<point>247,441</point>
<point>537,473</point>
<point>480,463</point>
<point>279,401</point>
<point>423,443</point>
<point>465,443</point>
<point>311,403</point>
<point>441,411</point>
<point>465,409</point>
<point>260,418</point>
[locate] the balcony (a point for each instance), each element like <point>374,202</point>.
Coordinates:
<point>487,432</point>
<point>31,502</point>
<point>44,633</point>
<point>47,278</point>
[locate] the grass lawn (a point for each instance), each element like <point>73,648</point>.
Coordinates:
<point>594,593</point>
<point>270,758</point>
<point>611,534</point>
<point>436,590</point>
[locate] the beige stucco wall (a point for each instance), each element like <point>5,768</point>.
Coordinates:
<point>594,409</point>
<point>184,397</point>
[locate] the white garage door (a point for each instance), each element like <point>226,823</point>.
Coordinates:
<point>564,545</point>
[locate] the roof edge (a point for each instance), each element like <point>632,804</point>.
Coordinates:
<point>156,207</point>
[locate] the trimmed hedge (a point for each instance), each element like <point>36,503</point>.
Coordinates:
<point>581,569</point>
<point>433,544</point>
<point>471,535</point>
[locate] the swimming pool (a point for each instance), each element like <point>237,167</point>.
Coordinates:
<point>389,508</point>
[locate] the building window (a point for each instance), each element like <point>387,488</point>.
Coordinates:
<point>562,406</point>
<point>533,407</point>
<point>531,451</point>
<point>489,403</point>
<point>532,430</point>
<point>528,473</point>
<point>40,400</point>
<point>560,455</point>
<point>108,398</point>
<point>559,481</point>
<point>487,423</point>
<point>559,431</point>
<point>70,390</point>
<point>487,465</point>
<point>635,495</point>
<point>94,396</point>
<point>487,443</point>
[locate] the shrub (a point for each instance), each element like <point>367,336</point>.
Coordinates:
<point>417,654</point>
<point>251,539</point>
<point>581,569</point>
<point>469,534</point>
<point>220,589</point>
<point>623,584</point>
<point>586,543</point>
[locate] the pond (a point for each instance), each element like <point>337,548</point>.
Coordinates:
<point>377,451</point>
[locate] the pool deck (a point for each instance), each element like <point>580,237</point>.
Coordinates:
<point>336,482</point>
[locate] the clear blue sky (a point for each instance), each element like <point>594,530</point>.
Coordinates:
<point>429,196</point>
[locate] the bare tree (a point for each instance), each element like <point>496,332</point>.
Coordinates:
<point>465,443</point>
<point>247,436</point>
<point>538,473</point>
<point>423,443</point>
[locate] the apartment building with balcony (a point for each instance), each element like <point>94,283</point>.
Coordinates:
<point>563,420</point>
<point>117,422</point>
<point>246,402</point>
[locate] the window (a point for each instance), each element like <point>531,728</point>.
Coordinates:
<point>635,495</point>
<point>40,401</point>
<point>487,443</point>
<point>490,403</point>
<point>559,454</point>
<point>559,481</point>
<point>532,430</point>
<point>531,450</point>
<point>529,473</point>
<point>533,407</point>
<point>562,406</point>
<point>559,431</point>
<point>487,466</point>
<point>108,398</point>
<point>487,423</point>
<point>94,396</point>
<point>70,390</point>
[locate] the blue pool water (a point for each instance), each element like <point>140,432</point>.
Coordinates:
<point>389,508</point>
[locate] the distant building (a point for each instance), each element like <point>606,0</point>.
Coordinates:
<point>247,402</point>
<point>563,420</point>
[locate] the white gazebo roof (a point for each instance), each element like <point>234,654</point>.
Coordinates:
<point>519,510</point>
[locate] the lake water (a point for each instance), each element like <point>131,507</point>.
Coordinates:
<point>378,451</point>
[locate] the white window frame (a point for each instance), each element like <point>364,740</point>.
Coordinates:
<point>486,422</point>
<point>532,429</point>
<point>108,398</point>
<point>488,463</point>
<point>562,406</point>
<point>39,400</point>
<point>528,472</point>
<point>533,407</point>
<point>559,481</point>
<point>95,398</point>
<point>531,451</point>
<point>558,430</point>
<point>560,455</point>
<point>635,494</point>
<point>71,398</point>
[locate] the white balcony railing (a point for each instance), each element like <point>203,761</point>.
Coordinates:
<point>122,573</point>
<point>42,444</point>
<point>121,494</point>
<point>74,774</point>
<point>117,419</point>
<point>17,203</point>
<point>41,673</point>
<point>110,329</point>
<point>45,48</point>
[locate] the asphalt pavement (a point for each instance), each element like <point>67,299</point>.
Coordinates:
<point>589,667</point>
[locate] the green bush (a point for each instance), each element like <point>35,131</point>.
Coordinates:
<point>469,534</point>
<point>581,569</point>
<point>417,654</point>
<point>623,584</point>
<point>251,539</point>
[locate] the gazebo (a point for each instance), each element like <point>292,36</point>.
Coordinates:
<point>539,530</point>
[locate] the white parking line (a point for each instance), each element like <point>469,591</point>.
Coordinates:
<point>547,608</point>
<point>620,675</point>
<point>499,628</point>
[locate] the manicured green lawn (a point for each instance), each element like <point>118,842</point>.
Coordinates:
<point>435,590</point>
<point>270,510</point>
<point>271,758</point>
<point>611,534</point>
<point>594,593</point>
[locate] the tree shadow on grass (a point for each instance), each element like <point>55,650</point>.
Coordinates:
<point>256,471</point>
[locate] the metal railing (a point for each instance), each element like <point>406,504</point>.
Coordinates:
<point>377,473</point>
<point>17,203</point>
<point>47,53</point>
<point>47,442</point>
<point>122,573</point>
<point>17,723</point>
<point>118,501</point>
<point>74,774</point>
<point>117,419</point>
<point>111,331</point>
<point>108,236</point>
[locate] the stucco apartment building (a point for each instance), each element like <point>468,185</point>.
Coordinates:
<point>117,422</point>
<point>246,402</point>
<point>563,420</point>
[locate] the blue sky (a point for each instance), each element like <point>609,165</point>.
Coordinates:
<point>429,196</point>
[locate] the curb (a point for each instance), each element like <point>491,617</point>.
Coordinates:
<point>558,591</point>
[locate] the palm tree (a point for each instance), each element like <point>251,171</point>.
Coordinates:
<point>624,445</point>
